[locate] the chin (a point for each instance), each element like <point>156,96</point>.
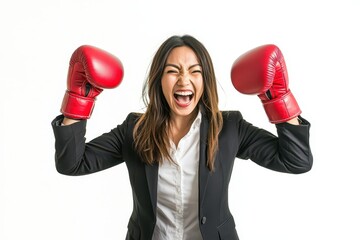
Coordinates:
<point>185,112</point>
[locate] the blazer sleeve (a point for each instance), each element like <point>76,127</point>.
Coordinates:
<point>288,152</point>
<point>74,156</point>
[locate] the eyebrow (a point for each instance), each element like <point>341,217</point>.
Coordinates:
<point>177,67</point>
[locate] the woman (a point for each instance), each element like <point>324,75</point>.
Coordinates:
<point>181,151</point>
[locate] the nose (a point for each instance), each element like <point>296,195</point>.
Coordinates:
<point>183,80</point>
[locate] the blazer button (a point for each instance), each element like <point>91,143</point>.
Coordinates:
<point>203,220</point>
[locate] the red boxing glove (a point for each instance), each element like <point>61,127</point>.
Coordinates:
<point>91,70</point>
<point>262,71</point>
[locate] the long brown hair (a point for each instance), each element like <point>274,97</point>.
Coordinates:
<point>150,132</point>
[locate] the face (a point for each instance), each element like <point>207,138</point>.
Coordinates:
<point>182,82</point>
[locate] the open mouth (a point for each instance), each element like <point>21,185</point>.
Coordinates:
<point>183,98</point>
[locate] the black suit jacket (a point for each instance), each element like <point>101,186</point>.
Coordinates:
<point>288,152</point>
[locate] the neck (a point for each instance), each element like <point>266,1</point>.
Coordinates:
<point>180,125</point>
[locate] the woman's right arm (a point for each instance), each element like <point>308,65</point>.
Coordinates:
<point>91,70</point>
<point>74,156</point>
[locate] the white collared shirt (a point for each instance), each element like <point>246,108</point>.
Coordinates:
<point>177,194</point>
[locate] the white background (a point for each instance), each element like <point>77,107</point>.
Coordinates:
<point>320,42</point>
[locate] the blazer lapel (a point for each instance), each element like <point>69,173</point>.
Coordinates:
<point>203,169</point>
<point>152,179</point>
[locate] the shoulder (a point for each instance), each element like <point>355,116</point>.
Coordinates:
<point>231,115</point>
<point>130,121</point>
<point>133,117</point>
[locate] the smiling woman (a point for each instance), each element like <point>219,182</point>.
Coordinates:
<point>180,152</point>
<point>181,67</point>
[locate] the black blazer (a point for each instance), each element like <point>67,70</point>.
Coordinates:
<point>288,152</point>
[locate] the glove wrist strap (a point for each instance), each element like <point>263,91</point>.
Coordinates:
<point>282,109</point>
<point>77,107</point>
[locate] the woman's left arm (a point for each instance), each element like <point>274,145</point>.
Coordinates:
<point>288,152</point>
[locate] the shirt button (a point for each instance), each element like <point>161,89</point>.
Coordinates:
<point>203,220</point>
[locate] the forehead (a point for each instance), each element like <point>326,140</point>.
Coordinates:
<point>182,55</point>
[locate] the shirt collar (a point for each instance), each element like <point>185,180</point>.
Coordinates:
<point>197,122</point>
